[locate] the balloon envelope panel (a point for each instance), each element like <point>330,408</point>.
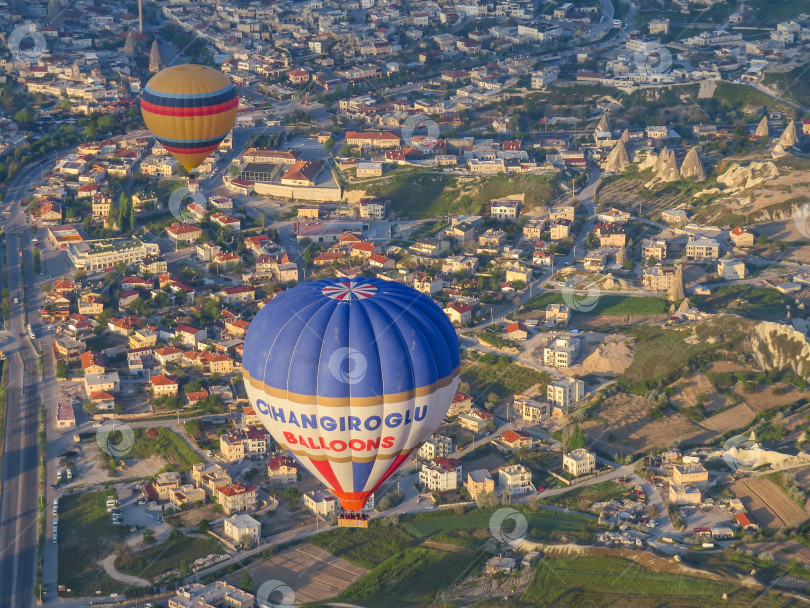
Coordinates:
<point>189,109</point>
<point>351,376</point>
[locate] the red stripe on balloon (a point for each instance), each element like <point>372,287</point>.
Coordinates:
<point>394,466</point>
<point>204,111</point>
<point>205,149</point>
<point>324,468</point>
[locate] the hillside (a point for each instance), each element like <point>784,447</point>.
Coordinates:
<point>417,193</point>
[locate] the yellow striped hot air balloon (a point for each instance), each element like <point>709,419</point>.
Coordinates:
<point>189,109</point>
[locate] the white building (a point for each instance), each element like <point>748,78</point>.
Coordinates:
<point>437,446</point>
<point>505,209</point>
<point>440,474</point>
<point>562,352</point>
<point>544,77</point>
<point>321,502</point>
<point>515,479</point>
<point>532,409</point>
<point>702,249</point>
<point>565,391</point>
<point>579,462</point>
<point>731,269</point>
<point>241,525</point>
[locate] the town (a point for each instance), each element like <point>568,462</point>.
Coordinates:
<point>608,200</point>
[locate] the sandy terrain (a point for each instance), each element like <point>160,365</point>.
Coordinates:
<point>767,503</point>
<point>686,391</point>
<point>632,429</point>
<point>770,396</point>
<point>784,551</point>
<point>610,357</point>
<point>731,419</point>
<point>193,517</point>
<point>722,367</point>
<point>313,574</point>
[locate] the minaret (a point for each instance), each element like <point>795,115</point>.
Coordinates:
<point>140,16</point>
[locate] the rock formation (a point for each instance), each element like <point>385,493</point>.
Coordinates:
<point>669,169</point>
<point>788,139</point>
<point>648,162</point>
<point>129,45</point>
<point>661,160</point>
<point>617,161</point>
<point>625,138</point>
<point>692,168</point>
<point>621,255</point>
<point>776,346</point>
<point>155,60</point>
<point>604,124</point>
<point>54,12</point>
<point>737,177</point>
<point>762,128</point>
<point>676,289</point>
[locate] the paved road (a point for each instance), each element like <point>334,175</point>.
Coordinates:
<point>19,495</point>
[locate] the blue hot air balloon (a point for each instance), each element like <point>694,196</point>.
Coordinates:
<point>350,376</point>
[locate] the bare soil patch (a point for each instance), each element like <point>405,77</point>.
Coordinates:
<point>767,503</point>
<point>686,391</point>
<point>771,396</point>
<point>731,419</point>
<point>630,427</point>
<point>313,573</point>
<point>193,517</point>
<point>784,551</point>
<point>722,367</point>
<point>611,357</point>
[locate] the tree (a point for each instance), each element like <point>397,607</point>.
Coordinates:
<point>246,584</point>
<point>577,438</point>
<point>247,542</point>
<point>123,210</point>
<point>292,494</point>
<point>204,526</point>
<point>131,215</point>
<point>329,144</point>
<point>148,536</point>
<point>111,215</point>
<point>194,428</point>
<point>24,116</point>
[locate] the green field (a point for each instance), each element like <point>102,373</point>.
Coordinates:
<point>86,535</point>
<point>168,555</point>
<point>412,562</point>
<point>605,305</point>
<point>411,578</point>
<point>415,193</point>
<point>501,375</point>
<point>759,303</point>
<point>581,499</point>
<point>168,445</point>
<point>159,221</point>
<point>543,524</point>
<point>609,582</point>
<point>744,98</point>
<point>366,548</point>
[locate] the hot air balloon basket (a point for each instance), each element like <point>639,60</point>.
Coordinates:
<point>353,520</point>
